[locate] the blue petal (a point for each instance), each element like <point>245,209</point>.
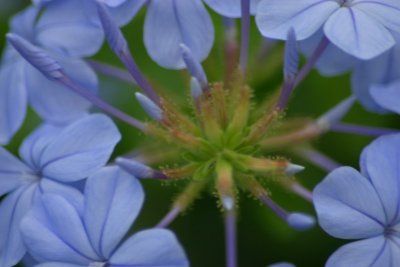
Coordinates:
<point>53,231</point>
<point>333,60</point>
<point>275,17</point>
<point>13,173</point>
<point>113,3</point>
<point>381,70</point>
<point>231,8</point>
<point>382,160</point>
<point>23,23</point>
<point>155,247</point>
<point>81,149</point>
<point>59,264</point>
<point>69,193</point>
<point>124,13</point>
<point>13,208</point>
<point>36,142</point>
<point>386,12</point>
<point>345,212</point>
<point>53,101</point>
<point>387,96</point>
<point>372,252</point>
<point>358,34</point>
<point>172,22</point>
<point>66,28</point>
<point>113,201</point>
<point>13,100</point>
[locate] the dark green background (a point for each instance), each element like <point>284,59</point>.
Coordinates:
<point>263,238</point>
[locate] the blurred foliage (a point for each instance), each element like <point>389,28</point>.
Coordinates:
<point>263,238</point>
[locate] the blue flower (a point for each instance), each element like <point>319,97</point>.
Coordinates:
<point>89,231</point>
<point>21,83</point>
<point>361,28</point>
<point>51,157</point>
<point>366,206</point>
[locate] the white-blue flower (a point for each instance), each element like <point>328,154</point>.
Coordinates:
<point>89,231</point>
<point>361,28</point>
<point>364,206</point>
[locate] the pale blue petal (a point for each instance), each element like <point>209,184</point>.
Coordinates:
<point>358,34</point>
<point>345,212</point>
<point>36,142</point>
<point>122,12</point>
<point>53,231</point>
<point>152,248</point>
<point>172,22</point>
<point>275,17</point>
<point>333,60</point>
<point>382,161</point>
<point>60,264</point>
<point>231,8</point>
<point>13,208</point>
<point>53,101</point>
<point>66,28</point>
<point>386,12</point>
<point>81,149</point>
<point>23,23</point>
<point>113,201</point>
<point>13,100</point>
<point>114,3</point>
<point>13,173</point>
<point>372,252</point>
<point>381,70</point>
<point>69,193</point>
<point>387,96</point>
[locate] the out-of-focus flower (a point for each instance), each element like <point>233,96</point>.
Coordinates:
<point>21,83</point>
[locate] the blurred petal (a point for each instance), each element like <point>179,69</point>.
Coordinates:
<point>80,150</point>
<point>382,161</point>
<point>124,13</point>
<point>348,206</point>
<point>155,247</point>
<point>13,208</point>
<point>36,142</point>
<point>113,201</point>
<point>65,27</point>
<point>231,8</point>
<point>275,17</point>
<point>381,70</point>
<point>172,22</point>
<point>372,252</point>
<point>59,264</point>
<point>23,22</point>
<point>13,100</point>
<point>387,96</point>
<point>387,12</point>
<point>113,3</point>
<point>358,34</point>
<point>13,173</point>
<point>53,231</point>
<point>333,61</point>
<point>53,101</point>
